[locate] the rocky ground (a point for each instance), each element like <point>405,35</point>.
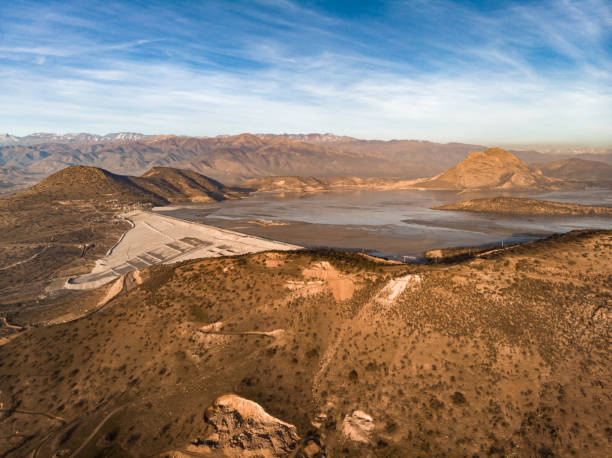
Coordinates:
<point>504,354</point>
<point>520,206</point>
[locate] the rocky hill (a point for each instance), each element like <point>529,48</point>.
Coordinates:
<point>62,225</point>
<point>176,185</point>
<point>492,169</point>
<point>158,186</point>
<point>322,351</point>
<point>519,206</point>
<point>577,170</point>
<point>90,183</point>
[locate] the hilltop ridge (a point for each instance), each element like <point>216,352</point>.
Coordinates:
<point>576,169</point>
<point>356,353</point>
<point>84,182</point>
<point>232,159</point>
<point>494,168</point>
<point>159,185</point>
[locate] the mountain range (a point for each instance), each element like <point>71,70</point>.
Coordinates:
<point>234,159</point>
<point>493,169</point>
<point>45,137</point>
<point>444,153</point>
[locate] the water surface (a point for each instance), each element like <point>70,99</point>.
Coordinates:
<point>394,224</point>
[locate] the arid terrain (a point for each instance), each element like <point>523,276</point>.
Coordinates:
<point>520,206</point>
<point>298,184</point>
<point>61,226</point>
<point>258,348</point>
<point>506,353</point>
<point>237,158</point>
<point>305,229</point>
<point>493,169</point>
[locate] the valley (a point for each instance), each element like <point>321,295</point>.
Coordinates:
<point>234,159</point>
<point>306,229</point>
<point>169,314</point>
<point>396,224</point>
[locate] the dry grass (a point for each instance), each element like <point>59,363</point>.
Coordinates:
<point>505,355</point>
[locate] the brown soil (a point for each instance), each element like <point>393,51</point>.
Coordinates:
<point>507,354</point>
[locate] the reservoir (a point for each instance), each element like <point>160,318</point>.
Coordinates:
<point>397,224</point>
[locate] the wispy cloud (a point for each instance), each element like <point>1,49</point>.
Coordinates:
<point>438,70</point>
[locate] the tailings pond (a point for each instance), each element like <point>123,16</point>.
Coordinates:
<point>393,224</point>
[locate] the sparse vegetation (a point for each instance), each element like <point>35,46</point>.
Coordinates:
<point>478,358</point>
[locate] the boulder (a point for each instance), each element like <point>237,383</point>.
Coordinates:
<point>244,428</point>
<point>358,427</point>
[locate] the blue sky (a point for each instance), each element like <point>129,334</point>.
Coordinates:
<point>488,72</point>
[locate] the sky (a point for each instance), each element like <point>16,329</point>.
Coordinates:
<point>489,72</point>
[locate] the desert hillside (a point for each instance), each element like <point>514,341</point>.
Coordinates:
<point>493,168</point>
<point>63,224</point>
<point>520,206</point>
<point>576,169</point>
<point>359,356</point>
<point>159,185</point>
<point>177,185</point>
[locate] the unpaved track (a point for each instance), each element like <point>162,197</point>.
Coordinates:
<point>31,258</point>
<point>97,428</point>
<point>116,289</point>
<point>35,412</point>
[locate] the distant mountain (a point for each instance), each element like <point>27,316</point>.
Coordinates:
<point>7,139</point>
<point>158,186</point>
<point>316,138</point>
<point>532,157</point>
<point>234,159</point>
<point>11,175</point>
<point>231,159</point>
<point>423,158</point>
<point>576,169</point>
<point>445,154</point>
<point>312,184</point>
<point>43,137</point>
<point>493,168</point>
